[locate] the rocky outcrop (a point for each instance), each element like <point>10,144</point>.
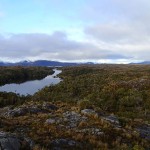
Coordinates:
<point>12,142</point>
<point>21,111</point>
<point>70,118</point>
<point>73,119</point>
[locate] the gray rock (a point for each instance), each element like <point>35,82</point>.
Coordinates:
<point>23,111</point>
<point>91,131</point>
<point>17,112</point>
<point>50,121</point>
<point>73,118</point>
<point>60,144</point>
<point>144,131</point>
<point>113,119</point>
<point>30,142</point>
<point>12,142</point>
<point>49,106</point>
<point>88,112</point>
<point>34,110</point>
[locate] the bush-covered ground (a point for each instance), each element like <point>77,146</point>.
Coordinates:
<point>120,89</point>
<point>94,107</point>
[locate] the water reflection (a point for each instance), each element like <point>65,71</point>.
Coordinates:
<point>31,87</point>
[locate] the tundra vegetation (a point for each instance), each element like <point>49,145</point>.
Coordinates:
<point>93,107</point>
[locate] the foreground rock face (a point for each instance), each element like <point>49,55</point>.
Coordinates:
<point>61,127</point>
<point>11,142</point>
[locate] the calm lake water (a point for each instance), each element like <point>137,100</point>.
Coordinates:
<point>31,87</point>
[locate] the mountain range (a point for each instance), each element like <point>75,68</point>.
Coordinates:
<point>52,63</point>
<point>42,63</point>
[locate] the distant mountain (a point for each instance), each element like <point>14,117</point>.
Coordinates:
<point>142,63</point>
<point>145,62</point>
<point>41,63</point>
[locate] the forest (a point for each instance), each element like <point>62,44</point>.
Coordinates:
<point>18,74</point>
<point>93,107</point>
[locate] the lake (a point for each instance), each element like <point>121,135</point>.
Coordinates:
<point>31,87</point>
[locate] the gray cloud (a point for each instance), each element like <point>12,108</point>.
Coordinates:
<point>121,26</point>
<point>116,30</point>
<point>118,33</point>
<point>53,47</point>
<point>119,21</point>
<point>129,41</point>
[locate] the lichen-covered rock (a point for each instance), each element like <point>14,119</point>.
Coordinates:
<point>73,118</point>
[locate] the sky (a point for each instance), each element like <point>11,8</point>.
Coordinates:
<point>100,31</point>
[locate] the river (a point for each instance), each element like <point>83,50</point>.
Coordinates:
<point>31,87</point>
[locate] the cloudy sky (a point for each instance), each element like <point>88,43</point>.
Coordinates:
<point>104,31</point>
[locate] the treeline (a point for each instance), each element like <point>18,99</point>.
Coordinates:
<point>19,74</point>
<point>12,99</point>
